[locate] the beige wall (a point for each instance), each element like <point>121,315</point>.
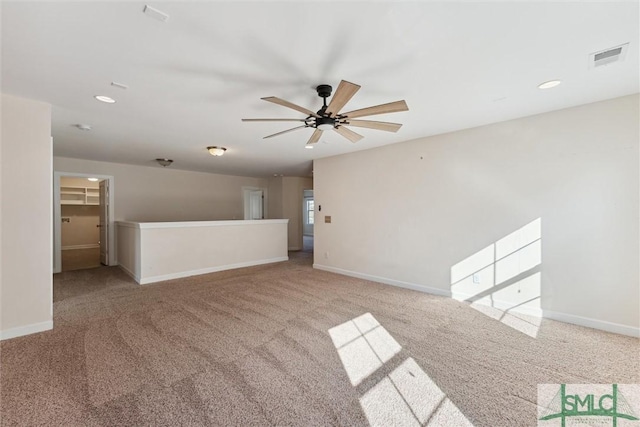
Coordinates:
<point>164,194</point>
<point>292,189</point>
<point>82,228</point>
<point>275,197</point>
<point>285,201</point>
<point>409,213</point>
<point>26,217</point>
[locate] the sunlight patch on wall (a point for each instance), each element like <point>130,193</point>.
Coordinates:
<point>524,297</point>
<point>502,280</point>
<point>522,260</point>
<point>405,397</point>
<point>476,262</point>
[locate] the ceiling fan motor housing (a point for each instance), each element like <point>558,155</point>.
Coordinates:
<point>324,122</point>
<point>324,91</point>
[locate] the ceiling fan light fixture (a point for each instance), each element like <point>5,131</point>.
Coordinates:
<point>325,123</point>
<point>164,162</point>
<point>308,146</point>
<point>216,151</point>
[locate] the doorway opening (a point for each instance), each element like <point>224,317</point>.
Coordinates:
<point>83,224</point>
<point>80,222</point>
<point>254,203</point>
<point>308,219</point>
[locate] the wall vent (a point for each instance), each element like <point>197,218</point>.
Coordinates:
<point>608,56</point>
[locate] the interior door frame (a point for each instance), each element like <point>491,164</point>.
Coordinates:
<point>246,201</point>
<point>305,212</point>
<point>57,217</point>
<point>103,220</point>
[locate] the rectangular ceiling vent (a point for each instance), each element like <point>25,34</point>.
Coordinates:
<point>608,56</point>
<point>154,13</point>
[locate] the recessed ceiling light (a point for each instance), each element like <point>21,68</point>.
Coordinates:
<point>549,84</point>
<point>93,179</point>
<point>104,98</point>
<point>308,146</point>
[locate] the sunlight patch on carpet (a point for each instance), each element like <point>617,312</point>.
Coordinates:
<point>363,346</point>
<point>405,397</point>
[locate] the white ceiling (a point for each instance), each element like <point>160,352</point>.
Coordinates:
<point>192,79</point>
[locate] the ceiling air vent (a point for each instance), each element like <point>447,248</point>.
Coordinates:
<point>154,13</point>
<point>608,56</point>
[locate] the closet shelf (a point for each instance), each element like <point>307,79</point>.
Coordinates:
<point>79,196</point>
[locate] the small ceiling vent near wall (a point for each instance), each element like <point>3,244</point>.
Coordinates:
<point>608,56</point>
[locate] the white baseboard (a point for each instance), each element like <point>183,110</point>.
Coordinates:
<point>386,281</point>
<point>129,273</point>
<point>181,274</point>
<point>26,330</point>
<point>501,305</point>
<point>522,309</point>
<point>89,246</point>
<point>547,314</point>
<point>616,328</point>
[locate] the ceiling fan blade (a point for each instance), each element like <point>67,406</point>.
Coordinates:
<point>348,133</point>
<point>285,131</point>
<point>391,107</point>
<point>389,127</point>
<point>343,94</point>
<point>288,104</point>
<point>315,137</point>
<point>273,120</point>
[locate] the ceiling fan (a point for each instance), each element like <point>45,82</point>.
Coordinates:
<point>329,117</point>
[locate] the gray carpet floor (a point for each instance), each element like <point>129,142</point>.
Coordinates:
<point>284,344</point>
